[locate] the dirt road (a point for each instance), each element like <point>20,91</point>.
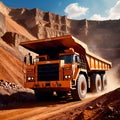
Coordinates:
<point>108,106</point>
<point>41,110</point>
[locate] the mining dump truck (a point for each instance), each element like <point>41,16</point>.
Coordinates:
<point>64,64</point>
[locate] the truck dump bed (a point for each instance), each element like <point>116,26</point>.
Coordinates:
<point>59,44</point>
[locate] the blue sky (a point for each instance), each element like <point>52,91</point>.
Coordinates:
<point>73,9</point>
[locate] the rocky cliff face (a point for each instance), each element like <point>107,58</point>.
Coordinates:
<point>20,24</point>
<point>106,34</point>
<point>41,24</point>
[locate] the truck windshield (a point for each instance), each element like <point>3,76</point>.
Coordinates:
<point>67,58</point>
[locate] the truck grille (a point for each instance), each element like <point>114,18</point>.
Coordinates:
<point>48,72</point>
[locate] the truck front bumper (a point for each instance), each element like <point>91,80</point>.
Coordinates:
<point>49,85</point>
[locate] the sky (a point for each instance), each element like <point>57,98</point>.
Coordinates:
<point>73,9</point>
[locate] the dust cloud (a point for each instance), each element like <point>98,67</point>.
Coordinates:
<point>113,80</point>
<point>102,49</point>
<point>113,75</point>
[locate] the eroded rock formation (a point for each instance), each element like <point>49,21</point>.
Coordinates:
<point>14,39</point>
<point>41,24</point>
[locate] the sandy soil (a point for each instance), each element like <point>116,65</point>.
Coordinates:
<point>91,108</point>
<point>40,110</point>
<point>10,65</point>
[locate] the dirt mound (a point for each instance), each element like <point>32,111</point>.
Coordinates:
<point>11,94</point>
<point>8,87</point>
<point>105,107</point>
<point>108,107</point>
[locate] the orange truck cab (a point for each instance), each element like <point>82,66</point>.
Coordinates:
<point>64,64</point>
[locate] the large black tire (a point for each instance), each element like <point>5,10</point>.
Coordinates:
<point>80,92</point>
<point>96,83</point>
<point>104,81</point>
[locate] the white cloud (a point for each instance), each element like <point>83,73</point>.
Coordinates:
<point>113,13</point>
<point>74,11</point>
<point>97,17</point>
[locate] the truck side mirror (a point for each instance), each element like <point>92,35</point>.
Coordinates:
<point>28,59</point>
<point>25,59</point>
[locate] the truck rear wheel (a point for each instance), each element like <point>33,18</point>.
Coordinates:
<point>104,81</point>
<point>80,92</point>
<point>96,83</point>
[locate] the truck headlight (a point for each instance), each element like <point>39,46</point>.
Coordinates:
<point>67,76</point>
<point>30,78</point>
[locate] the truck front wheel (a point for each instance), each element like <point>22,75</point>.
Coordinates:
<point>96,83</point>
<point>80,92</point>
